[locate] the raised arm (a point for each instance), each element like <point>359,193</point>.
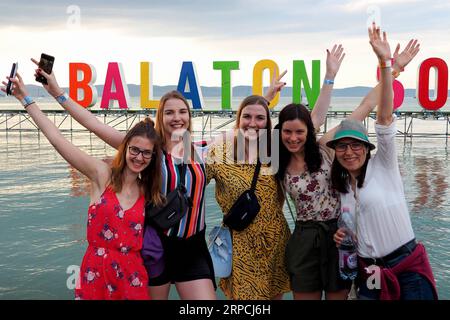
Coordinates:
<point>275,86</point>
<point>96,170</point>
<point>87,119</point>
<point>401,60</point>
<point>334,60</point>
<point>381,47</point>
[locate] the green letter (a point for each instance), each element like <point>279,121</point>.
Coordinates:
<point>226,67</point>
<point>300,76</point>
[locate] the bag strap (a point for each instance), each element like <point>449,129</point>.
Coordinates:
<point>182,174</point>
<point>182,171</point>
<point>288,198</point>
<point>255,176</point>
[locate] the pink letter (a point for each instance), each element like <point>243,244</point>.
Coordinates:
<point>115,80</point>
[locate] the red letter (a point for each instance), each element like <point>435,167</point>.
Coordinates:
<point>81,78</point>
<point>399,90</point>
<point>440,93</point>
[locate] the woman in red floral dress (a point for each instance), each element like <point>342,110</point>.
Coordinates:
<point>112,266</point>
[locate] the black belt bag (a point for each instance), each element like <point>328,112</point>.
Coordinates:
<point>245,208</point>
<point>175,206</point>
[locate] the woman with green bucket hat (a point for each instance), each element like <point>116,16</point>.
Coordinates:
<point>305,173</point>
<point>392,265</point>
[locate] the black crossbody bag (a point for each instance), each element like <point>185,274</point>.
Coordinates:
<point>245,208</point>
<point>175,207</point>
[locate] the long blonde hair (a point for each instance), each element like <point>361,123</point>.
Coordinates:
<point>160,113</point>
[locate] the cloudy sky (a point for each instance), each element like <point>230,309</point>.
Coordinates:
<point>169,32</point>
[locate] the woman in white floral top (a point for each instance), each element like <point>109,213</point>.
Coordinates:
<point>304,171</point>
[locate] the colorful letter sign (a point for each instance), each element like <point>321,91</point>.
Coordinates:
<point>397,87</point>
<point>147,86</point>
<point>82,77</point>
<point>226,67</point>
<point>441,87</point>
<point>301,76</point>
<point>258,70</point>
<point>115,89</point>
<point>188,77</point>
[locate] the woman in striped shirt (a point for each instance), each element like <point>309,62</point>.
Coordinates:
<point>187,261</point>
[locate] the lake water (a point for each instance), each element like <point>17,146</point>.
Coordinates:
<point>43,210</point>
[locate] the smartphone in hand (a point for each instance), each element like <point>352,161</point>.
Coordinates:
<point>46,64</point>
<point>12,75</point>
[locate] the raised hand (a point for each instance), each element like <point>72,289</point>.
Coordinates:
<point>407,54</point>
<point>334,60</point>
<point>379,43</point>
<point>275,86</point>
<point>18,89</point>
<point>52,87</point>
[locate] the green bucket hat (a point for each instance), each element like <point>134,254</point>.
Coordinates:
<point>351,129</point>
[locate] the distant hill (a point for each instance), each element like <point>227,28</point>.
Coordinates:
<point>238,91</point>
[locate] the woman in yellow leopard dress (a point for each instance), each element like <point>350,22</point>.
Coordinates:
<point>258,263</point>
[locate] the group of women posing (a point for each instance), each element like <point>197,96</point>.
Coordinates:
<point>320,175</point>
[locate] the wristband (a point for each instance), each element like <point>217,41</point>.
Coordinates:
<point>328,81</point>
<point>395,73</point>
<point>385,64</point>
<point>26,101</point>
<point>62,98</point>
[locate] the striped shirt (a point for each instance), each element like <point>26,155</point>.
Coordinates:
<point>195,181</point>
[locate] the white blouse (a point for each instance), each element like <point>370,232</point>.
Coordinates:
<point>383,222</point>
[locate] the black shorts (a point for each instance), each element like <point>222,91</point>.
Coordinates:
<point>313,258</point>
<point>185,260</point>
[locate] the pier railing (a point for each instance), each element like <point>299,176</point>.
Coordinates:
<point>208,123</point>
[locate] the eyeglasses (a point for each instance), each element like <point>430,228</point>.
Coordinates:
<point>146,154</point>
<point>355,146</point>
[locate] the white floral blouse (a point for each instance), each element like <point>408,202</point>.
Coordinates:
<point>313,195</point>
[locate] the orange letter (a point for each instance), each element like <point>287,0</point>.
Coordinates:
<point>81,80</point>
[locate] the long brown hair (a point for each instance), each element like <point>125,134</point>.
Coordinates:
<point>259,100</point>
<point>313,157</point>
<point>150,177</point>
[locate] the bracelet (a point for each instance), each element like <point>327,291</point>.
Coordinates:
<point>328,81</point>
<point>61,98</point>
<point>385,64</point>
<point>395,73</point>
<point>26,101</point>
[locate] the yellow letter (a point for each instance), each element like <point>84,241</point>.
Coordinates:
<point>147,87</point>
<point>258,70</point>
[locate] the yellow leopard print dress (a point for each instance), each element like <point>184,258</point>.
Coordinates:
<point>258,265</point>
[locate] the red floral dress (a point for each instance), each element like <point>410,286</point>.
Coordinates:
<point>112,266</point>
